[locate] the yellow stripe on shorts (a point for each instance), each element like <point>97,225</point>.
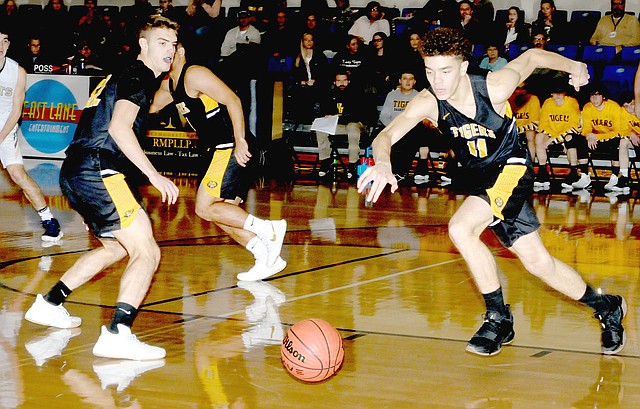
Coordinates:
<point>212,180</point>
<point>126,204</point>
<point>500,192</point>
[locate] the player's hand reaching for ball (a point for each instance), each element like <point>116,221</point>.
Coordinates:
<point>379,175</point>
<point>167,188</point>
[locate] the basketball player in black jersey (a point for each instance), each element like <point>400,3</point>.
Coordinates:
<point>206,104</point>
<point>472,110</point>
<point>105,151</point>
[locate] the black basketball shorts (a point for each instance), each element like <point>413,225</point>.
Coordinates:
<point>103,198</point>
<point>223,177</point>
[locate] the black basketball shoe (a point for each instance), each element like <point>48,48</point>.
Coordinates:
<point>497,330</point>
<point>613,336</point>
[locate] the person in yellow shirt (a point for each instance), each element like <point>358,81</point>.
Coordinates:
<point>601,126</point>
<point>560,123</point>
<point>526,109</point>
<point>617,28</point>
<point>629,139</point>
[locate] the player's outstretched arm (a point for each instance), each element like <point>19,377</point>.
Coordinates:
<point>121,130</point>
<point>380,175</point>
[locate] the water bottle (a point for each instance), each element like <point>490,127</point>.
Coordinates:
<point>366,162</point>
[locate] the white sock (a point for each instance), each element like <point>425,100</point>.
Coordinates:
<point>255,225</point>
<point>45,213</point>
<point>624,172</point>
<point>256,247</point>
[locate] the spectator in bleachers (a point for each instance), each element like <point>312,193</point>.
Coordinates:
<point>243,34</point>
<point>444,13</point>
<point>263,12</point>
<point>11,22</point>
<point>89,26</point>
<point>469,24</point>
<point>514,31</point>
<point>353,58</point>
<point>526,110</point>
<point>280,40</point>
<point>601,126</point>
<point>371,22</point>
<point>138,13</point>
<point>403,152</point>
<point>409,59</point>
<point>312,23</point>
<point>617,29</point>
<point>202,24</point>
<point>556,29</point>
<point>36,60</point>
<point>483,10</point>
<point>317,7</point>
<point>560,118</point>
<point>57,28</point>
<point>118,49</point>
<point>341,19</point>
<point>354,114</point>
<point>493,61</point>
<point>382,67</point>
<point>167,10</point>
<point>629,140</point>
<point>87,60</point>
<point>309,75</point>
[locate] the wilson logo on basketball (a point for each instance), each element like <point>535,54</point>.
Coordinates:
<point>288,345</point>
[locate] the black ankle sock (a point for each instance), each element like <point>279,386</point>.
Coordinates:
<point>422,167</point>
<point>495,301</point>
<point>584,169</point>
<point>615,170</point>
<point>58,293</point>
<point>124,314</point>
<point>594,300</point>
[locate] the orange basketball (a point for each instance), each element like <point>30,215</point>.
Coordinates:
<point>312,350</point>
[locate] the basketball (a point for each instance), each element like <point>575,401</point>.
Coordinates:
<point>312,350</point>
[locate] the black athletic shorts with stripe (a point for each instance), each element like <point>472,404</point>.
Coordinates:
<point>222,176</point>
<point>103,197</point>
<point>508,191</point>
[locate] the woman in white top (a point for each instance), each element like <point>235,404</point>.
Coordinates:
<point>369,24</point>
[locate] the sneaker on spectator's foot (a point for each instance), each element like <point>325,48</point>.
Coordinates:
<point>582,183</point>
<point>273,237</point>
<point>570,180</point>
<point>421,179</point>
<point>613,197</point>
<point>123,372</point>
<point>52,230</point>
<point>125,345</point>
<point>43,347</point>
<point>613,336</point>
<point>44,313</point>
<point>622,185</point>
<point>497,330</point>
<point>260,270</point>
<point>325,167</point>
<point>445,180</point>
<point>613,180</point>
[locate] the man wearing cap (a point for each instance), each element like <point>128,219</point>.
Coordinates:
<point>243,33</point>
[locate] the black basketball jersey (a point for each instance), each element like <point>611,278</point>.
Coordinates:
<point>136,84</point>
<point>486,141</point>
<point>208,118</point>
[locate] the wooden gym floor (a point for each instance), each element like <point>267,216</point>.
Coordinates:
<point>387,277</point>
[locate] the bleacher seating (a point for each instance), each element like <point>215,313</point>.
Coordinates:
<point>598,54</point>
<point>516,49</point>
<point>583,23</point>
<point>630,55</point>
<point>567,50</point>
<point>618,80</point>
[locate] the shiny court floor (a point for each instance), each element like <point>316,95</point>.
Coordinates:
<point>387,277</point>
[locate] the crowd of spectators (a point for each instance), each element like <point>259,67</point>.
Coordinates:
<point>306,46</point>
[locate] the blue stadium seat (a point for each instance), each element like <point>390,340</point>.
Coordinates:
<point>599,54</point>
<point>583,23</point>
<point>618,81</point>
<point>279,65</point>
<point>516,49</point>
<point>567,50</point>
<point>479,50</point>
<point>630,55</point>
<point>409,11</point>
<point>400,26</point>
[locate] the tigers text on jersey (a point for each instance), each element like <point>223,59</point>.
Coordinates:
<point>486,141</point>
<point>605,124</point>
<point>558,121</point>
<point>528,115</point>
